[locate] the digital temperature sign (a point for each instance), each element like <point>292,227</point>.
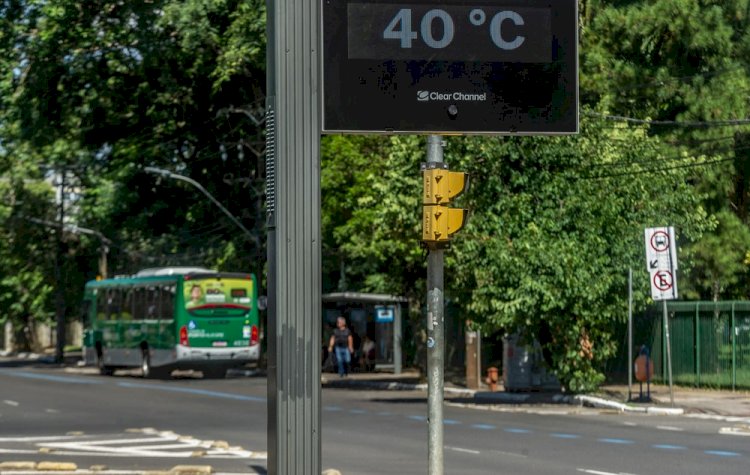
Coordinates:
<point>450,33</point>
<point>453,67</point>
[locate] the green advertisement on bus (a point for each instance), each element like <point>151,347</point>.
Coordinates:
<point>218,292</point>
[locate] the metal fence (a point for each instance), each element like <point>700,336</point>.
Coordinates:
<point>710,343</point>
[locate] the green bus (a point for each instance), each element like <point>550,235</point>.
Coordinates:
<point>172,318</point>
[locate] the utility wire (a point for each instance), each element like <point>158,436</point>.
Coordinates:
<point>653,170</point>
<point>662,159</point>
<point>675,123</point>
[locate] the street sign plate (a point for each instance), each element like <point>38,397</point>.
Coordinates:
<point>661,262</point>
<point>456,66</point>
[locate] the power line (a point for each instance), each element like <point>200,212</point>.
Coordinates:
<point>680,79</point>
<point>653,170</point>
<point>675,123</point>
<point>717,150</point>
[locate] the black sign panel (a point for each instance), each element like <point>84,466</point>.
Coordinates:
<point>450,67</point>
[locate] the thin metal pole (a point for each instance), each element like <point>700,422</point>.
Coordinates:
<point>479,359</point>
<point>630,334</point>
<point>669,352</point>
<point>167,173</point>
<point>734,351</point>
<point>697,343</point>
<point>59,291</point>
<point>435,338</point>
<point>397,340</point>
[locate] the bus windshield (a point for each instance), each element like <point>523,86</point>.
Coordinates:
<point>206,295</point>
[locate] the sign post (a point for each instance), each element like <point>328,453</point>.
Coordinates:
<point>661,262</point>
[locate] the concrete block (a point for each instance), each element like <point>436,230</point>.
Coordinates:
<point>57,466</point>
<point>191,470</point>
<point>11,465</point>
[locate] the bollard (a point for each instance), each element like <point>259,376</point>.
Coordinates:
<point>492,378</point>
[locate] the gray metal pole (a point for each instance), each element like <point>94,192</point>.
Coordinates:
<point>479,359</point>
<point>59,262</point>
<point>435,337</point>
<point>294,253</point>
<point>669,352</point>
<point>397,340</point>
<point>167,173</point>
<point>630,334</point>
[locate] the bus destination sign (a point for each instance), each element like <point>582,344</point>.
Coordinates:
<point>455,67</point>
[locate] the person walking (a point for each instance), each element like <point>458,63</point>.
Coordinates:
<point>342,343</point>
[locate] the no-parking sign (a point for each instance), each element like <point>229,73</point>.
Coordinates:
<point>661,262</point>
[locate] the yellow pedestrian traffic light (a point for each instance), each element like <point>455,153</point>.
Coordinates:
<point>441,186</point>
<point>441,222</point>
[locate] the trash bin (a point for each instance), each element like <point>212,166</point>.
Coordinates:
<point>524,368</point>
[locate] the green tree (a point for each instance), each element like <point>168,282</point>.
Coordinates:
<point>106,88</point>
<point>682,65</point>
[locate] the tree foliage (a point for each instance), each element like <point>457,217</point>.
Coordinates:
<point>103,89</point>
<point>106,88</point>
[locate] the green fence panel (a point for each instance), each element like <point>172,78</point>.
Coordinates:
<point>710,343</point>
<point>682,333</point>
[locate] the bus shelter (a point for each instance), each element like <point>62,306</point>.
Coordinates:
<point>376,317</point>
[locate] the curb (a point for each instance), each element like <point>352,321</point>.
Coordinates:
<point>390,386</point>
<point>592,401</point>
<point>512,398</point>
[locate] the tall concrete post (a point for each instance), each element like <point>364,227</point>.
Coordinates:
<point>294,253</point>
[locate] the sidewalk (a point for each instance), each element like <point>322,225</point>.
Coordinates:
<point>724,404</point>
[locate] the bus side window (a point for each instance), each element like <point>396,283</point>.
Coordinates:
<point>114,303</point>
<point>139,303</point>
<point>127,304</point>
<point>101,305</point>
<point>152,303</point>
<point>166,310</point>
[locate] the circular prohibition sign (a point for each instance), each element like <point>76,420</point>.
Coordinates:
<point>660,241</point>
<point>663,280</point>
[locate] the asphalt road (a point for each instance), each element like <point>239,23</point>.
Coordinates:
<point>127,423</point>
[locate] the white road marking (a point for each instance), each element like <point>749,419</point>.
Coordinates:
<point>715,417</point>
<point>599,472</point>
<point>112,472</point>
<point>35,439</point>
<point>512,454</point>
<point>166,445</point>
<point>672,428</point>
<point>10,403</point>
<point>734,431</point>
<point>116,441</point>
<point>630,424</point>
<point>467,451</point>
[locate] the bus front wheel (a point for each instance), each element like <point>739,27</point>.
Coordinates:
<point>148,371</point>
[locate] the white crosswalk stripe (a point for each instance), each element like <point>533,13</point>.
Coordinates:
<point>165,444</point>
